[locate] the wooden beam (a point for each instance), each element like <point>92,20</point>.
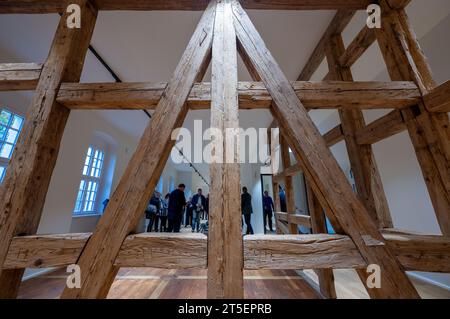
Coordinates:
<point>225,248</point>
<point>337,25</point>
<point>318,225</point>
<point>416,252</point>
<point>382,128</point>
<point>58,6</point>
<point>19,76</point>
<point>438,100</point>
<point>365,38</point>
<point>362,160</point>
<point>301,252</point>
<point>334,136</point>
<point>144,169</point>
<point>294,218</point>
<point>25,186</point>
<point>288,184</point>
<point>429,132</point>
<point>252,95</point>
<point>320,165</point>
<point>163,250</point>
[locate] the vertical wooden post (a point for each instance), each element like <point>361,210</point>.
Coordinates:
<point>367,178</point>
<point>274,160</point>
<point>429,132</point>
<point>25,187</point>
<point>290,195</point>
<point>318,225</point>
<point>319,164</point>
<point>144,169</point>
<point>225,246</point>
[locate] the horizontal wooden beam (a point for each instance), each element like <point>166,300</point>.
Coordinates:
<point>252,95</point>
<point>19,76</point>
<point>438,100</point>
<point>53,6</point>
<point>175,251</point>
<point>301,252</point>
<point>421,252</point>
<point>163,250</point>
<point>386,126</point>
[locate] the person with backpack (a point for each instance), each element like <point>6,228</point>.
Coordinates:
<point>152,211</point>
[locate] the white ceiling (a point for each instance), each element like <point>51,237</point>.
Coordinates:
<point>146,46</point>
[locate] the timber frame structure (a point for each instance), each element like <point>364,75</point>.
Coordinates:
<point>365,234</point>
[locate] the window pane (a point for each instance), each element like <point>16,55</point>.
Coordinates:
<point>11,136</point>
<point>2,132</point>
<point>17,122</point>
<point>2,173</point>
<point>6,151</point>
<point>5,116</point>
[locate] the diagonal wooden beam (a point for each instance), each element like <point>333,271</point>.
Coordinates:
<point>19,76</point>
<point>382,128</point>
<point>225,247</point>
<point>362,160</point>
<point>288,184</point>
<point>365,38</point>
<point>320,166</point>
<point>144,169</point>
<point>429,132</point>
<point>23,192</point>
<point>337,25</point>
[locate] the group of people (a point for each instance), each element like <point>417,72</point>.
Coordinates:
<point>166,214</point>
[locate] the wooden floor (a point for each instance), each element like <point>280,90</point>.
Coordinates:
<point>148,283</point>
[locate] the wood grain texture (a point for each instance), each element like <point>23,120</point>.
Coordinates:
<point>320,165</point>
<point>41,251</point>
<point>225,248</point>
<point>163,250</point>
<point>252,95</point>
<point>300,252</point>
<point>144,169</point>
<point>429,132</point>
<point>288,185</point>
<point>293,218</point>
<point>382,128</point>
<point>26,182</point>
<point>362,160</point>
<point>438,100</point>
<point>53,6</point>
<point>19,76</point>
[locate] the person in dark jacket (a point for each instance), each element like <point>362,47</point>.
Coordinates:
<point>247,210</point>
<point>189,213</point>
<point>268,208</point>
<point>199,203</point>
<point>282,195</point>
<point>177,202</point>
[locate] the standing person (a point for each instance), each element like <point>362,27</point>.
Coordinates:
<point>177,202</point>
<point>207,207</point>
<point>199,204</point>
<point>247,210</point>
<point>268,208</point>
<point>189,213</point>
<point>163,213</point>
<point>152,210</point>
<point>282,194</point>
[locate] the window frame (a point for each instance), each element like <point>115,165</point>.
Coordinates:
<point>91,174</point>
<point>5,161</point>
